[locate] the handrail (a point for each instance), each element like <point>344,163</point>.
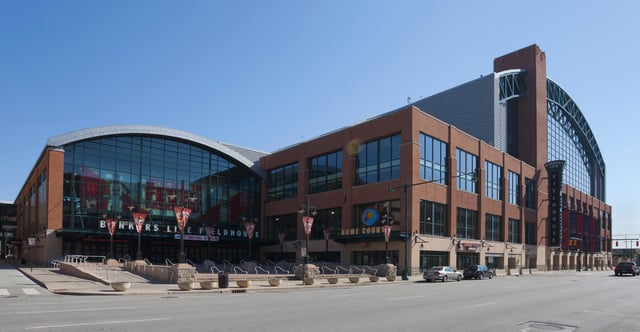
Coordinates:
<point>168,262</point>
<point>283,270</point>
<point>236,268</point>
<point>147,261</point>
<point>215,269</point>
<point>260,270</point>
<point>339,267</point>
<point>323,268</point>
<point>191,262</point>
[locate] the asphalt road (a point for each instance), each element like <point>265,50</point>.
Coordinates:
<point>570,301</point>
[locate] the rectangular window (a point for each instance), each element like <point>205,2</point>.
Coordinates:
<point>530,233</point>
<point>325,172</point>
<point>467,166</point>
<point>530,194</point>
<point>433,159</point>
<point>514,188</point>
<point>467,224</point>
<point>378,160</point>
<point>493,228</point>
<point>433,218</point>
<point>493,181</point>
<point>282,182</point>
<point>514,231</point>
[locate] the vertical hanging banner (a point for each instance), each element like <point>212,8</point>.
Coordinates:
<point>387,232</point>
<point>327,233</point>
<point>210,232</point>
<point>138,219</point>
<point>250,227</point>
<point>111,225</point>
<point>307,222</point>
<point>281,236</point>
<point>554,172</point>
<point>182,216</point>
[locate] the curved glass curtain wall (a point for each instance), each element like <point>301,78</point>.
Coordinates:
<point>111,176</point>
<point>561,146</point>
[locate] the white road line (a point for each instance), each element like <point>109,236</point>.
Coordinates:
<point>73,310</point>
<point>30,291</point>
<point>96,323</point>
<point>405,298</point>
<point>477,305</point>
<point>4,292</point>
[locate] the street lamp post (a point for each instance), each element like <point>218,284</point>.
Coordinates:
<point>406,272</point>
<point>250,227</point>
<point>182,216</point>
<point>281,237</point>
<point>388,221</point>
<point>138,219</point>
<point>307,222</point>
<point>111,226</point>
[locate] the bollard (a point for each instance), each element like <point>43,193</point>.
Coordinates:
<point>223,280</point>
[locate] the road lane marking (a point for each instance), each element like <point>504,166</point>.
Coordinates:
<point>477,305</point>
<point>4,292</point>
<point>73,310</point>
<point>30,291</point>
<point>405,298</point>
<point>111,322</point>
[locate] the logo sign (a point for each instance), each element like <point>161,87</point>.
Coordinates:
<point>307,222</point>
<point>250,226</point>
<point>182,216</point>
<point>369,217</point>
<point>138,219</point>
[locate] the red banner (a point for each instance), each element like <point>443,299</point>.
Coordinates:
<point>307,222</point>
<point>182,216</point>
<point>111,225</point>
<point>250,226</point>
<point>387,232</point>
<point>138,219</point>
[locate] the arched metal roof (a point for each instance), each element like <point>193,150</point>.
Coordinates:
<point>243,156</point>
<point>564,109</point>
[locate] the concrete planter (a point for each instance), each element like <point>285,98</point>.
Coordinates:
<point>391,277</point>
<point>243,283</point>
<point>275,282</point>
<point>309,281</point>
<point>374,278</point>
<point>120,286</point>
<point>354,280</point>
<point>207,284</point>
<point>185,285</point>
<point>332,280</point>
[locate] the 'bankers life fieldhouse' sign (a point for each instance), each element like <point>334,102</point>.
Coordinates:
<point>554,173</point>
<point>131,226</point>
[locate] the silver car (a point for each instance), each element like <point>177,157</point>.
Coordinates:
<point>443,273</point>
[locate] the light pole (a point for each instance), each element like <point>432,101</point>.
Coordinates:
<point>388,221</point>
<point>281,237</point>
<point>138,219</point>
<point>111,226</point>
<point>250,227</point>
<point>307,222</point>
<point>182,216</point>
<point>406,272</point>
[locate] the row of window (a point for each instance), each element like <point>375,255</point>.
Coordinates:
<point>379,161</point>
<point>433,221</point>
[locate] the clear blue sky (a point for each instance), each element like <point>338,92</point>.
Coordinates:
<point>268,74</point>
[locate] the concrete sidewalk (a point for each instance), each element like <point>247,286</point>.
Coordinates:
<point>60,283</point>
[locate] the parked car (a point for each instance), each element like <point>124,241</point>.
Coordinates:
<point>477,272</point>
<point>443,273</point>
<point>627,268</point>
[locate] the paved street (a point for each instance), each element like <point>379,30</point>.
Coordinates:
<point>13,283</point>
<point>558,301</point>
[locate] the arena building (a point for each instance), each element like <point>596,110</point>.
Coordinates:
<point>503,170</point>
